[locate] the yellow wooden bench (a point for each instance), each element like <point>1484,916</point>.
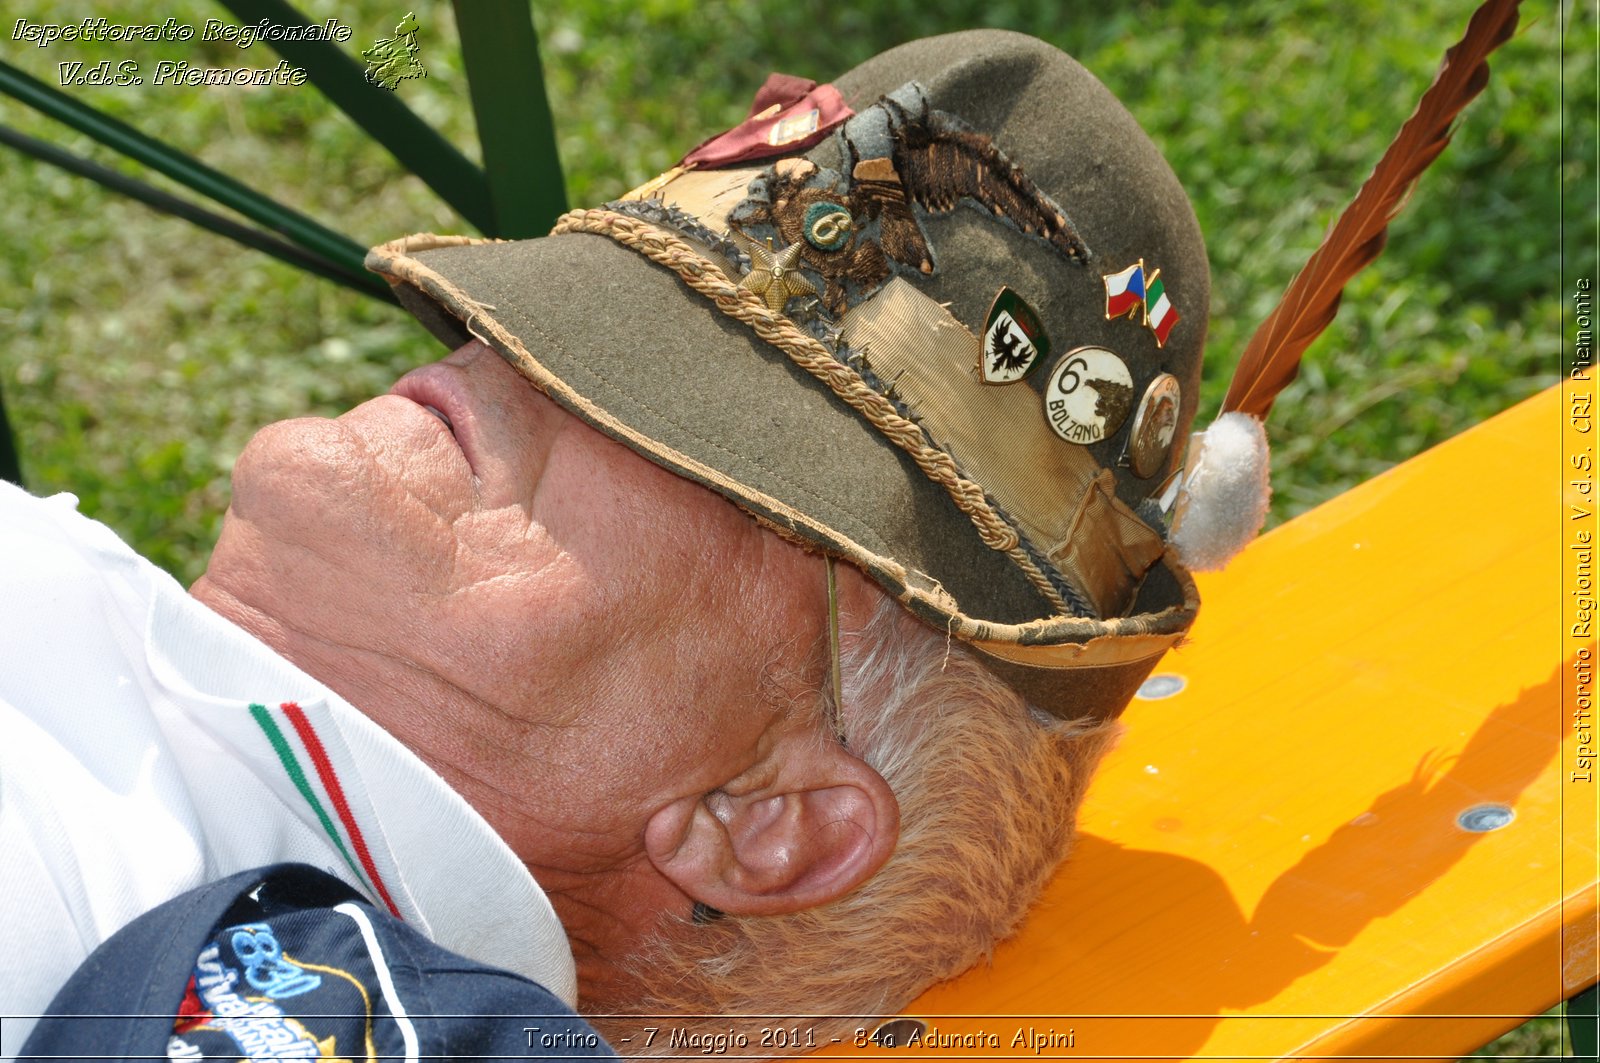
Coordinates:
<point>1272,863</point>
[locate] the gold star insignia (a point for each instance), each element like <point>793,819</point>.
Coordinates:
<point>774,275</point>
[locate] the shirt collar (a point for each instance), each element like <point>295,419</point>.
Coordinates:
<point>411,842</point>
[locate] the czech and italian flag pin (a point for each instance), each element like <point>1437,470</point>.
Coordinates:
<point>1134,292</point>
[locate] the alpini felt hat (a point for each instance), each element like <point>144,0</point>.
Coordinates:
<point>942,319</point>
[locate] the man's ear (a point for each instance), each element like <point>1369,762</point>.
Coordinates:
<point>802,829</point>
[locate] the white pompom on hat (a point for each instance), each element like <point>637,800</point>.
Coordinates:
<point>1223,502</point>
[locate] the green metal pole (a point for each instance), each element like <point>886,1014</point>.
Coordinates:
<point>500,50</point>
<point>1582,1024</point>
<point>182,168</point>
<point>363,282</point>
<point>378,111</point>
<point>10,468</point>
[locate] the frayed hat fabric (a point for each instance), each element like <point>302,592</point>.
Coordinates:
<point>971,208</point>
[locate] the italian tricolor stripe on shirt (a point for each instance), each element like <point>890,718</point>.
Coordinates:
<point>305,760</point>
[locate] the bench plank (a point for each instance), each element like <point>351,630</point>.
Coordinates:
<point>1271,864</point>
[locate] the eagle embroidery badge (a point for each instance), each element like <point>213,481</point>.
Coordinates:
<point>858,225</point>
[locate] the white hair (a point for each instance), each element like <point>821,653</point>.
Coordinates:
<point>988,790</point>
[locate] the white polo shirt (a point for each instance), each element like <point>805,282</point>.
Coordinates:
<point>148,746</point>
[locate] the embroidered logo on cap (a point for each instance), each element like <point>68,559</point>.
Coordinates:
<point>1014,340</point>
<point>1088,396</point>
<point>1133,292</point>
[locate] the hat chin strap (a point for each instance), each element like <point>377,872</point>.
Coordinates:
<point>836,678</point>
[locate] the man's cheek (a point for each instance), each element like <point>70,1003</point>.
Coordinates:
<point>409,451</point>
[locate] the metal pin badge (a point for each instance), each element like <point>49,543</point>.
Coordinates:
<point>827,226</point>
<point>899,1032</point>
<point>774,275</point>
<point>1014,340</point>
<point>1161,686</point>
<point>1154,425</point>
<point>1141,295</point>
<point>1088,396</point>
<point>1480,819</point>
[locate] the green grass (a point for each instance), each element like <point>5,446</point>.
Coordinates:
<point>1540,1038</point>
<point>137,355</point>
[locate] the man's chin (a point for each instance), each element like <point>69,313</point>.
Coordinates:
<point>325,511</point>
<point>378,462</point>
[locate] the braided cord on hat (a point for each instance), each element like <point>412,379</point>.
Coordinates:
<point>705,277</point>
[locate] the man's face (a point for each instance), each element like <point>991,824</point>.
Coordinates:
<point>569,634</point>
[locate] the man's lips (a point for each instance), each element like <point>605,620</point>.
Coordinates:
<point>440,414</point>
<point>436,389</point>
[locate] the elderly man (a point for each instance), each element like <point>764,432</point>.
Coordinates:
<point>506,645</point>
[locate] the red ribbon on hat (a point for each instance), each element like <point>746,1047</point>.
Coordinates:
<point>789,114</point>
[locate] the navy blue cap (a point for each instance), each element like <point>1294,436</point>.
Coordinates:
<point>288,962</point>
